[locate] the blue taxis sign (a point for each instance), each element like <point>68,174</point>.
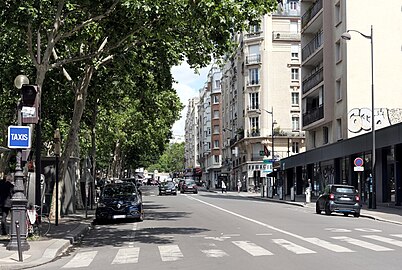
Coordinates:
<point>19,137</point>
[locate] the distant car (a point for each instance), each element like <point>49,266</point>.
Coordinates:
<point>340,199</point>
<point>167,188</point>
<point>120,200</point>
<point>189,185</point>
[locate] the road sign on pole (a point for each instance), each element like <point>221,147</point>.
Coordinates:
<point>19,137</point>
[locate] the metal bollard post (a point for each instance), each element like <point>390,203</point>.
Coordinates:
<point>17,229</point>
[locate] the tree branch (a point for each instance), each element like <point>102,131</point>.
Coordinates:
<point>30,44</point>
<point>87,22</point>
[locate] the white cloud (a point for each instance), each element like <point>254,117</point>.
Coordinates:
<point>187,87</point>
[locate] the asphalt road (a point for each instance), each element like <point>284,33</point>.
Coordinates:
<point>228,231</point>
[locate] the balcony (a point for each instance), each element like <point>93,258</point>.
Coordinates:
<point>253,59</point>
<point>312,80</point>
<point>313,115</point>
<point>285,36</point>
<point>312,46</point>
<point>252,107</point>
<point>253,133</point>
<point>256,34</point>
<point>310,13</point>
<point>253,82</point>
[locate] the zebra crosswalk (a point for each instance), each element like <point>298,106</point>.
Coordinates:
<point>173,252</point>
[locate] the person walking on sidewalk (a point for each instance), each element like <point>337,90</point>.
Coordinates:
<point>223,185</point>
<point>6,192</point>
<point>238,186</point>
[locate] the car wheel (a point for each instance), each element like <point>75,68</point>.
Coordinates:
<point>346,214</point>
<point>160,194</point>
<point>327,210</point>
<point>141,218</point>
<point>356,215</point>
<point>317,209</point>
<point>181,191</point>
<point>175,193</point>
<point>196,192</point>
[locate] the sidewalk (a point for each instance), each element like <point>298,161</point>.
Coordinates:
<point>43,250</point>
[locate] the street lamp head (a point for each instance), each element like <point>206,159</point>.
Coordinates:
<point>346,36</point>
<point>20,80</point>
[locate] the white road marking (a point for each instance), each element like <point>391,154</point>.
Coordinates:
<point>81,259</point>
<point>336,230</point>
<point>252,248</point>
<point>328,245</point>
<point>263,234</point>
<point>293,247</point>
<point>127,255</point>
<point>362,243</point>
<point>384,239</point>
<point>216,238</point>
<point>214,253</point>
<point>367,230</point>
<point>196,236</point>
<point>397,235</point>
<point>170,253</point>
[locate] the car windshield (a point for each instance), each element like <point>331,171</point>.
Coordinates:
<point>112,191</point>
<point>190,182</point>
<point>345,190</point>
<point>169,184</point>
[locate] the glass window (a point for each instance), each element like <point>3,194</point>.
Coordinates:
<point>216,129</point>
<point>339,128</point>
<point>325,134</point>
<point>216,143</point>
<point>216,99</point>
<point>295,51</point>
<point>254,76</point>
<point>254,123</point>
<point>295,147</point>
<point>216,114</point>
<point>338,89</point>
<point>338,51</point>
<point>217,83</point>
<point>295,123</point>
<point>216,159</point>
<point>295,99</point>
<point>254,101</point>
<point>295,74</point>
<point>254,28</point>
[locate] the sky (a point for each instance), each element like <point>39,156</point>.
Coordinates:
<point>187,87</point>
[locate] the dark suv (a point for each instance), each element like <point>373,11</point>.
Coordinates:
<point>340,199</point>
<point>120,200</point>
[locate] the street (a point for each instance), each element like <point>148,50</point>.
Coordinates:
<point>228,231</point>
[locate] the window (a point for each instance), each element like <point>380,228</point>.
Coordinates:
<point>338,90</point>
<point>295,123</point>
<point>254,28</point>
<point>338,13</point>
<point>218,84</point>
<point>293,5</point>
<point>295,74</point>
<point>254,102</point>
<point>294,51</point>
<point>216,114</point>
<point>253,76</point>
<point>295,147</point>
<point>216,99</point>
<point>254,123</point>
<point>216,129</point>
<point>325,134</point>
<point>339,129</point>
<point>216,159</point>
<point>216,143</point>
<point>338,52</point>
<point>295,99</point>
<point>294,27</point>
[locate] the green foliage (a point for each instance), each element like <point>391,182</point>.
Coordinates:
<point>172,159</point>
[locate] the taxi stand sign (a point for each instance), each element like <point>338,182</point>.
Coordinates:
<point>19,137</point>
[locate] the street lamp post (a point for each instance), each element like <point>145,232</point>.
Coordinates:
<point>19,201</point>
<point>347,36</point>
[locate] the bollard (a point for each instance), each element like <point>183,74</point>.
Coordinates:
<point>17,230</point>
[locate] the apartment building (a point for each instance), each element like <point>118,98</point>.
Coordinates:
<point>191,135</point>
<point>261,108</point>
<point>337,89</point>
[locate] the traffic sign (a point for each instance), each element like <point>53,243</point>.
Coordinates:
<point>19,137</point>
<point>358,162</point>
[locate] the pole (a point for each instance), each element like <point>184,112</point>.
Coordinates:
<point>374,203</point>
<point>38,140</point>
<point>18,204</point>
<point>57,154</point>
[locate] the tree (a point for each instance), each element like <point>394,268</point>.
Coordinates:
<point>82,39</point>
<point>172,159</point>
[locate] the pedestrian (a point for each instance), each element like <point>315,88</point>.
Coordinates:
<point>223,185</point>
<point>6,192</point>
<point>238,186</point>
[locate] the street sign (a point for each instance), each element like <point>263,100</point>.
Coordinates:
<point>19,137</point>
<point>358,162</point>
<point>358,169</point>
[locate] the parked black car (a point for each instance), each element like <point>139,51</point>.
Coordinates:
<point>166,188</point>
<point>340,199</point>
<point>189,185</point>
<point>120,200</point>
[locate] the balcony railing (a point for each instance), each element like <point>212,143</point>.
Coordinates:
<point>253,82</point>
<point>311,12</point>
<point>254,34</point>
<point>253,107</point>
<point>312,46</point>
<point>253,133</point>
<point>286,36</point>
<point>253,59</point>
<point>313,115</point>
<point>313,80</point>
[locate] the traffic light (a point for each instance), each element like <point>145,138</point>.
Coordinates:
<point>28,93</point>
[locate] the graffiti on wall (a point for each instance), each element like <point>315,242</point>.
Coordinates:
<point>359,119</point>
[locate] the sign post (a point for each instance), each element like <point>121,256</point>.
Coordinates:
<point>359,168</point>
